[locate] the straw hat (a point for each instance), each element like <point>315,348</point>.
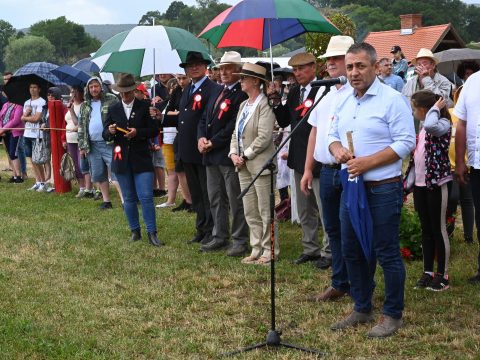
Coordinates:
<point>338,46</point>
<point>230,57</point>
<point>302,59</point>
<point>125,83</point>
<point>425,53</point>
<point>254,70</point>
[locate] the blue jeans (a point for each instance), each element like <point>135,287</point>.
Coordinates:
<point>385,203</point>
<point>138,187</point>
<point>21,155</point>
<point>475,186</point>
<point>330,196</point>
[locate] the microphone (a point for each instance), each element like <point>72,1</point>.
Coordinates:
<point>342,80</point>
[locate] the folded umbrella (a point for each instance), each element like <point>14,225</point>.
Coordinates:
<point>71,76</point>
<point>358,210</point>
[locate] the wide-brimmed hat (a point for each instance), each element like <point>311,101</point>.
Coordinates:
<point>338,46</point>
<point>424,53</point>
<point>125,83</point>
<point>231,57</point>
<point>194,57</point>
<point>254,70</point>
<point>302,59</point>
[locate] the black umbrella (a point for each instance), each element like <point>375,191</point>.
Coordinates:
<point>32,73</point>
<point>17,88</point>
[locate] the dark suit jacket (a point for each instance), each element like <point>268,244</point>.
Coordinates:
<point>136,151</point>
<point>287,115</point>
<point>219,131</point>
<point>187,121</point>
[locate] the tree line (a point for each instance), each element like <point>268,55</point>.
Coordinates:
<point>63,41</point>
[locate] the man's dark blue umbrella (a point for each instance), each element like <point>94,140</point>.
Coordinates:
<point>71,76</point>
<point>87,65</point>
<point>17,88</point>
<point>357,205</point>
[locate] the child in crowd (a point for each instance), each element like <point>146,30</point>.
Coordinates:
<point>430,192</point>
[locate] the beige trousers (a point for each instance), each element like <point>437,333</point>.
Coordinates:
<point>256,204</point>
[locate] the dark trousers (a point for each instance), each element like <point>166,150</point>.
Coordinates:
<point>463,194</point>
<point>431,206</point>
<point>197,183</point>
<point>475,186</point>
<point>330,196</point>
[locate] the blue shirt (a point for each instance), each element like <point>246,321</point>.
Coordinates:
<point>95,127</point>
<point>198,84</point>
<point>381,118</point>
<point>394,81</point>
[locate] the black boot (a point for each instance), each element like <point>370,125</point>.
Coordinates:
<point>136,235</point>
<point>153,240</point>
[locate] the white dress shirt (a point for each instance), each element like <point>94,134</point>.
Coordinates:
<point>381,118</point>
<point>321,117</point>
<point>468,110</point>
<point>127,108</point>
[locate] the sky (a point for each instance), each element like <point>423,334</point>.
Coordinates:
<point>23,13</point>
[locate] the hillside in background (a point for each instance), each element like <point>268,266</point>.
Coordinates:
<point>105,32</point>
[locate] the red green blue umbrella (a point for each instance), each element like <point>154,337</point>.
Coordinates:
<point>260,24</point>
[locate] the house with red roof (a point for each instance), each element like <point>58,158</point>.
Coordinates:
<point>413,36</point>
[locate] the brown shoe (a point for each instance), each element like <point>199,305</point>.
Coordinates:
<point>330,294</point>
<point>387,326</point>
<point>355,318</point>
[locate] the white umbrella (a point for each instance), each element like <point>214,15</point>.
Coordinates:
<point>148,50</point>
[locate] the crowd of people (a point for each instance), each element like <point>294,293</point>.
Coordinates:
<point>212,128</point>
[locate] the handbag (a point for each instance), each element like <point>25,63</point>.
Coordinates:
<point>40,152</point>
<point>283,210</point>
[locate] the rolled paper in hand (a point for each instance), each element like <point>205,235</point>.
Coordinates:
<point>350,141</point>
<point>122,130</point>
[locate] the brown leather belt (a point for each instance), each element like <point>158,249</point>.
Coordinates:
<point>371,184</point>
<point>332,166</point>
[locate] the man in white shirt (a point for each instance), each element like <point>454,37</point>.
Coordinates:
<point>467,140</point>
<point>383,134</point>
<point>32,116</point>
<point>317,151</point>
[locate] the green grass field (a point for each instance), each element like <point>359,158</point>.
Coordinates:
<point>73,287</point>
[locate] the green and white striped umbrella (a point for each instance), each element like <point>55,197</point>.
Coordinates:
<point>148,50</point>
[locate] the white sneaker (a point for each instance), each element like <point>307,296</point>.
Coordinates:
<point>81,194</point>
<point>34,187</point>
<point>165,205</point>
<point>41,187</point>
<point>49,188</point>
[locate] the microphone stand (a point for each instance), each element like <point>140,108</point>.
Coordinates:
<point>274,336</point>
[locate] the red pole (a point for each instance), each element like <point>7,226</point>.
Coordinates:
<point>57,120</point>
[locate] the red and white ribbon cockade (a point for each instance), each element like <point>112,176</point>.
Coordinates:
<point>224,106</point>
<point>117,153</point>
<point>307,104</point>
<point>197,102</point>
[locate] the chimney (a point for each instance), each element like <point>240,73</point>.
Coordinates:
<point>409,22</point>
